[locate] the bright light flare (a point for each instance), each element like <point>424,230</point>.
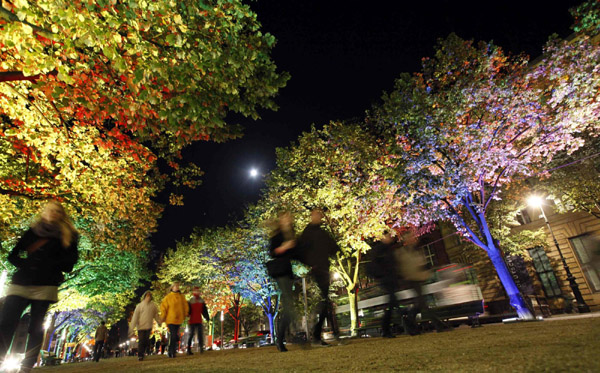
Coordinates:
<point>3,277</point>
<point>535,201</point>
<point>11,364</point>
<point>47,323</point>
<point>253,172</point>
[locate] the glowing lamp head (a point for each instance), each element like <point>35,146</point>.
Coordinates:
<point>11,363</point>
<point>47,323</point>
<point>535,201</point>
<point>336,276</point>
<point>253,172</point>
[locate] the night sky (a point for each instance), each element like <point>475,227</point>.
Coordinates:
<point>341,57</point>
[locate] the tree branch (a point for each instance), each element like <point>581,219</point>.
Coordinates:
<point>10,16</point>
<point>9,76</point>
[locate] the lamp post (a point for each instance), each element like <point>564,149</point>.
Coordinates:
<point>305,321</point>
<point>536,201</point>
<point>222,319</point>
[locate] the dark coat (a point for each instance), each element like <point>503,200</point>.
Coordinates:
<point>46,265</point>
<point>315,247</point>
<point>283,264</point>
<point>382,262</point>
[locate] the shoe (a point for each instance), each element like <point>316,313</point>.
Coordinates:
<point>410,325</point>
<point>388,335</point>
<point>341,341</point>
<point>189,352</point>
<point>141,358</point>
<point>281,348</point>
<point>320,343</point>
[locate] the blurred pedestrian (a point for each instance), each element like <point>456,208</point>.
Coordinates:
<point>99,338</point>
<point>383,267</point>
<point>198,310</point>
<point>151,344</point>
<point>283,241</point>
<point>157,344</point>
<point>44,252</point>
<point>163,343</point>
<point>316,247</point>
<point>174,308</point>
<point>143,319</point>
<point>414,273</point>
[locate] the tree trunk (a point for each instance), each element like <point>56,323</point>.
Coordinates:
<point>211,330</point>
<point>514,295</point>
<point>236,319</point>
<point>270,312</point>
<point>271,318</point>
<point>353,312</point>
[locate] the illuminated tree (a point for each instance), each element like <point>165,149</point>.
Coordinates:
<point>206,259</point>
<point>339,168</point>
<point>475,119</point>
<point>587,17</point>
<point>160,70</point>
<point>573,179</point>
<point>91,93</point>
<point>252,281</point>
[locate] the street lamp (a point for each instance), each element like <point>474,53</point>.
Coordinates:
<point>3,277</point>
<point>536,201</point>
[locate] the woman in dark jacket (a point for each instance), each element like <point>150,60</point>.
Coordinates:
<point>283,240</point>
<point>43,253</point>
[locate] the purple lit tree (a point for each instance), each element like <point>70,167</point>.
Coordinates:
<point>475,119</point>
<point>253,282</point>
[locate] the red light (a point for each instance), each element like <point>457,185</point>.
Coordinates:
<point>447,267</point>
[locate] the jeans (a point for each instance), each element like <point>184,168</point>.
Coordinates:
<point>98,350</point>
<point>9,320</point>
<point>193,329</point>
<point>287,302</point>
<point>173,338</point>
<point>324,309</point>
<point>144,337</point>
<point>390,287</point>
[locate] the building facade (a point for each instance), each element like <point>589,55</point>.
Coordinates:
<point>578,237</point>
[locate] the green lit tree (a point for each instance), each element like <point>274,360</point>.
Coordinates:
<point>340,168</point>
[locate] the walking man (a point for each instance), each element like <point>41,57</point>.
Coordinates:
<point>100,336</point>
<point>197,311</point>
<point>174,308</point>
<point>316,247</point>
<point>383,267</point>
<point>143,318</point>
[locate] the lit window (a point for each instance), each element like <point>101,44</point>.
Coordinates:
<point>545,272</point>
<point>586,248</point>
<point>523,217</point>
<point>430,257</point>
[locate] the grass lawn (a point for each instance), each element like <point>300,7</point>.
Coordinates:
<point>548,346</point>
